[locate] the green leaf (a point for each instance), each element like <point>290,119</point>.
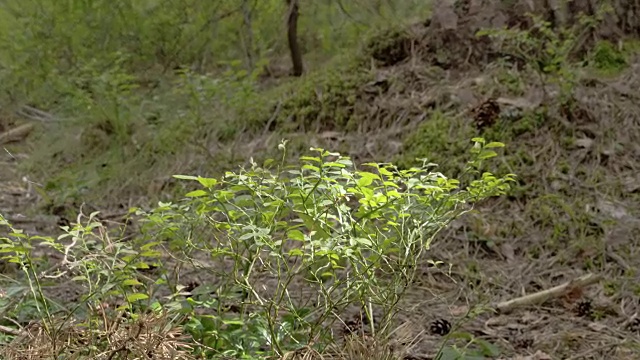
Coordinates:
<point>494,145</point>
<point>186,177</point>
<point>487,154</point>
<point>365,181</point>
<point>207,182</point>
<point>310,158</point>
<point>150,245</point>
<point>150,253</point>
<point>142,266</point>
<point>327,275</point>
<point>334,164</point>
<point>196,193</point>
<point>295,252</point>
<point>449,353</point>
<point>131,282</point>
<point>391,184</point>
<point>295,235</point>
<point>385,172</point>
<point>233,322</point>
<point>247,236</point>
<point>488,349</point>
<point>363,241</point>
<point>393,194</point>
<point>137,297</point>
<point>366,178</point>
<point>311,167</point>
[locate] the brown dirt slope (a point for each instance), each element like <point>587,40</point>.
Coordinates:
<point>576,210</point>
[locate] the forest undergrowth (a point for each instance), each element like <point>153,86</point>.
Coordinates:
<point>213,224</point>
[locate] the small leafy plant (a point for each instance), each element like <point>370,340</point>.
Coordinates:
<point>546,50</point>
<point>289,249</point>
<point>110,315</point>
<point>281,253</point>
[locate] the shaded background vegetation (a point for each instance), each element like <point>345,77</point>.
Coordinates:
<point>136,80</point>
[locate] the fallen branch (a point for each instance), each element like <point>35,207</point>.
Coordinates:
<point>9,331</point>
<point>31,113</point>
<point>40,219</point>
<point>542,296</point>
<point>16,134</point>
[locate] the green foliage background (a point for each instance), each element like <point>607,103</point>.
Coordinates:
<point>52,46</point>
<point>138,86</point>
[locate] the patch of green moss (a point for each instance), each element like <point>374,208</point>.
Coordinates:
<point>611,288</point>
<point>323,100</point>
<point>387,46</point>
<point>440,140</point>
<point>329,98</point>
<point>631,46</point>
<point>445,140</point>
<point>608,59</point>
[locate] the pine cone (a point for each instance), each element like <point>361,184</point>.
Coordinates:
<point>584,308</point>
<point>440,327</point>
<point>486,114</point>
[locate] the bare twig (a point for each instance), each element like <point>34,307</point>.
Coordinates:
<point>9,331</point>
<point>45,220</point>
<point>542,296</point>
<point>617,258</point>
<point>272,118</point>
<point>18,133</point>
<point>32,113</point>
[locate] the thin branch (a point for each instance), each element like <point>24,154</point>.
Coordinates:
<point>9,331</point>
<point>16,134</point>
<point>33,113</point>
<point>542,296</point>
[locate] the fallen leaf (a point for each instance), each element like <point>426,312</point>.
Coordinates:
<point>520,103</point>
<point>530,318</point>
<point>459,310</point>
<point>631,184</point>
<point>507,251</point>
<point>611,209</point>
<point>597,326</point>
<point>584,143</point>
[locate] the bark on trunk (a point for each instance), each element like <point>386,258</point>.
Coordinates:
<point>292,36</point>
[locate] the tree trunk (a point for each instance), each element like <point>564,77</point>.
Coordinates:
<point>292,35</point>
<point>247,38</point>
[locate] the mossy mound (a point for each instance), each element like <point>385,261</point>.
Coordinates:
<point>323,101</point>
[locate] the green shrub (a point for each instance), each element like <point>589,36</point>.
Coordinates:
<point>608,59</point>
<point>283,250</point>
<point>550,52</point>
<point>348,237</point>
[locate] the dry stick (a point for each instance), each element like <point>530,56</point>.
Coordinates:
<point>542,296</point>
<point>16,134</point>
<point>9,331</point>
<point>31,113</point>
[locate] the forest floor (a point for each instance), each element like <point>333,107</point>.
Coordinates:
<point>575,211</point>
